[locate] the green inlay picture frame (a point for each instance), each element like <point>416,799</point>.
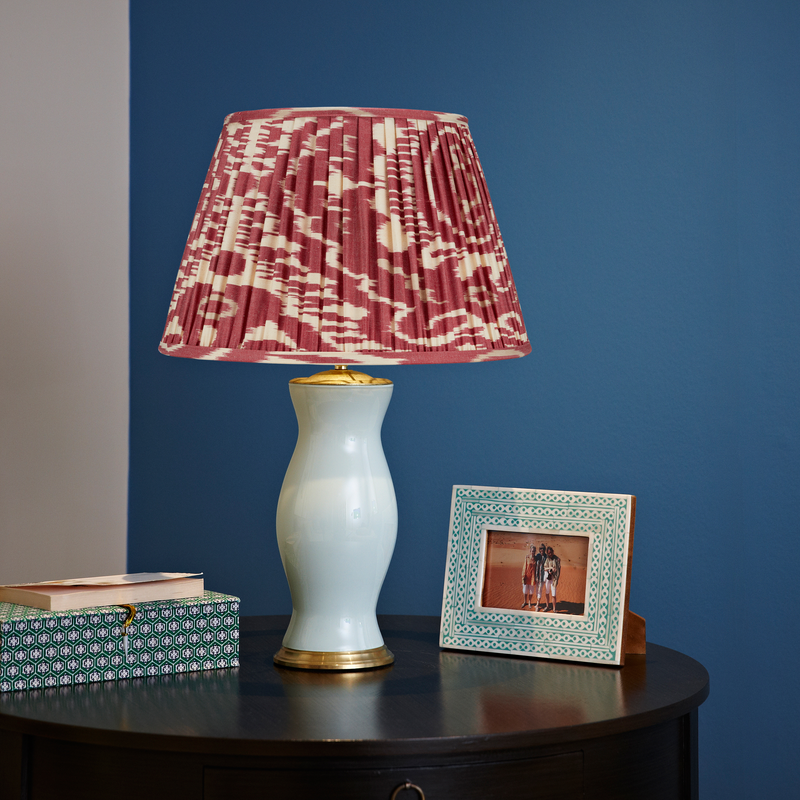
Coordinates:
<point>495,584</point>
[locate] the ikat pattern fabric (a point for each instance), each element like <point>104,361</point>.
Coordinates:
<point>326,231</point>
<point>41,649</point>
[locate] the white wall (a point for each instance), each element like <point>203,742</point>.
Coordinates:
<point>63,288</point>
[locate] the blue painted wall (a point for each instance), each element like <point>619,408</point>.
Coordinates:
<point>644,163</point>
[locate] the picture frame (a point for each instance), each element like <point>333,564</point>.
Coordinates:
<point>484,604</point>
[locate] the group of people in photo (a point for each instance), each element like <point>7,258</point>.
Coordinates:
<point>540,571</point>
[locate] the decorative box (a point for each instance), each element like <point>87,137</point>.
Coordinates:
<point>57,648</point>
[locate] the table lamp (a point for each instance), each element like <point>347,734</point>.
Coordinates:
<point>342,237</point>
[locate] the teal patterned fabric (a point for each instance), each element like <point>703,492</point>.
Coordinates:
<point>595,636</point>
<point>58,648</point>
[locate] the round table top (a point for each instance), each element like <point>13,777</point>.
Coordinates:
<point>431,700</point>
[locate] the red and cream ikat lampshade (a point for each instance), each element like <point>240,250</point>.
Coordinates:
<point>345,236</point>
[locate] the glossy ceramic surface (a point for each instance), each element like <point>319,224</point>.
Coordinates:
<point>337,518</point>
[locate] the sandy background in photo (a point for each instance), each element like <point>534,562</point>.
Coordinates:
<point>505,555</point>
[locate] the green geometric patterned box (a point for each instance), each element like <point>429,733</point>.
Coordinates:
<point>57,648</point>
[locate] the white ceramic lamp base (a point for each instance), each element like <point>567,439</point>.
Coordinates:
<point>337,524</point>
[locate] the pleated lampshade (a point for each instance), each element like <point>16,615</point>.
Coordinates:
<point>345,235</point>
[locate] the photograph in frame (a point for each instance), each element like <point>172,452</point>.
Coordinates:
<point>540,574</point>
<point>534,570</point>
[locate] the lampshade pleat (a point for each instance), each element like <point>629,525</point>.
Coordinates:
<point>345,236</point>
<point>405,211</point>
<point>447,291</point>
<point>475,242</point>
<point>303,255</point>
<point>333,288</point>
<point>426,306</point>
<point>391,231</point>
<point>317,191</point>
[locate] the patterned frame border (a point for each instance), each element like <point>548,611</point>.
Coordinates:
<point>597,636</point>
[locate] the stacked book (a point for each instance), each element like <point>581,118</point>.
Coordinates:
<point>57,633</point>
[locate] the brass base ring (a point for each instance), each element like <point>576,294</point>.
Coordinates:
<point>354,659</point>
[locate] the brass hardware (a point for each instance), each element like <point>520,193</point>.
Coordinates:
<point>354,659</point>
<point>128,620</point>
<point>407,785</point>
<point>340,375</point>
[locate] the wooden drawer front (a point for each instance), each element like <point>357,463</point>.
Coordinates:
<point>557,777</point>
<point>12,764</point>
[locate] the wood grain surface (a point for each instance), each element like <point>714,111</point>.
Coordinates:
<point>455,719</point>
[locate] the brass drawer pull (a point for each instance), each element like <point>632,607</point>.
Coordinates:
<point>407,785</point>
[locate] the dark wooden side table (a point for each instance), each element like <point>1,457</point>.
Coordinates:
<point>457,725</point>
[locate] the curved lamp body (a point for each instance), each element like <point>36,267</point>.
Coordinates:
<point>337,524</point>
